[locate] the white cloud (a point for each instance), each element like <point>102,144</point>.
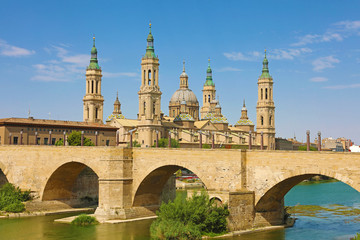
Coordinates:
<point>336,87</point>
<point>120,74</point>
<point>338,32</point>
<point>239,56</point>
<point>324,62</point>
<point>64,68</point>
<point>289,54</point>
<point>13,51</point>
<point>318,79</point>
<point>229,69</point>
<point>277,54</point>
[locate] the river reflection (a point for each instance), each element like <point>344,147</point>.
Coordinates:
<point>327,225</point>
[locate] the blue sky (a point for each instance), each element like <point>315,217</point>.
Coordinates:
<point>313,52</point>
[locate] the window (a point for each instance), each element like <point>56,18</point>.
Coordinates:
<point>262,120</point>
<point>154,107</point>
<point>149,77</point>
<point>154,76</point>
<point>269,93</point>
<point>261,94</point>
<point>16,139</point>
<point>53,141</point>
<point>144,107</point>
<point>46,141</point>
<point>97,87</point>
<point>204,98</point>
<point>173,113</point>
<point>96,113</point>
<point>209,98</point>
<point>266,93</point>
<point>270,120</point>
<point>107,142</point>
<point>37,141</point>
<point>92,86</point>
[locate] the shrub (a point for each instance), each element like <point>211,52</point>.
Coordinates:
<point>84,220</point>
<point>135,144</point>
<point>59,142</point>
<point>357,237</point>
<point>189,218</point>
<point>206,146</point>
<point>11,198</point>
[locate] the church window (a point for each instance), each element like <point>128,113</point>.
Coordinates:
<point>269,93</point>
<point>154,107</point>
<point>261,94</point>
<point>97,87</point>
<point>144,107</point>
<point>270,120</point>
<point>262,120</point>
<point>149,77</point>
<point>154,77</point>
<point>144,77</point>
<point>209,98</point>
<point>88,86</point>
<point>266,93</point>
<point>92,86</point>
<point>96,113</point>
<point>204,98</point>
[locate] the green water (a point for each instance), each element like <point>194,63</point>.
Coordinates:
<point>327,225</point>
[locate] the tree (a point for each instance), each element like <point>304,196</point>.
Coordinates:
<point>190,218</point>
<point>163,143</point>
<point>304,148</point>
<point>74,139</point>
<point>59,142</point>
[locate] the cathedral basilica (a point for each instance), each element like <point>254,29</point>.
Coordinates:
<point>187,122</point>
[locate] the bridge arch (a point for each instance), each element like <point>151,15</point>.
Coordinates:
<point>149,190</point>
<point>275,192</point>
<point>73,183</point>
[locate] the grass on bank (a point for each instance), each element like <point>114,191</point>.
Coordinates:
<point>11,198</point>
<point>84,220</point>
<point>189,218</point>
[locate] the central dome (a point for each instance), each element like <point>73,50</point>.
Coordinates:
<point>184,94</point>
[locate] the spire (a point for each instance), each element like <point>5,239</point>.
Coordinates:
<point>93,61</point>
<point>209,81</point>
<point>244,103</point>
<point>184,66</point>
<point>244,112</point>
<point>150,51</point>
<point>117,105</point>
<point>265,69</point>
<point>184,78</point>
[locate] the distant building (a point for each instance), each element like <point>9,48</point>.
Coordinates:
<point>332,144</point>
<point>354,148</point>
<point>30,131</point>
<point>283,144</point>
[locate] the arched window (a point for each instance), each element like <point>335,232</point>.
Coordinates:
<point>97,87</point>
<point>154,77</point>
<point>204,98</point>
<point>154,104</point>
<point>144,107</point>
<point>261,94</point>
<point>266,93</point>
<point>270,120</point>
<point>92,86</point>
<point>262,120</point>
<point>149,77</point>
<point>209,98</point>
<point>96,113</point>
<point>270,93</point>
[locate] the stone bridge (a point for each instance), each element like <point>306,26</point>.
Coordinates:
<point>129,182</point>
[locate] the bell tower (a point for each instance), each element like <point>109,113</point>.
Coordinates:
<point>149,115</point>
<point>265,109</point>
<point>208,93</point>
<point>93,100</point>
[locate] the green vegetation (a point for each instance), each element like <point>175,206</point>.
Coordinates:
<point>59,142</point>
<point>74,139</point>
<point>178,173</point>
<point>357,237</point>
<point>163,143</point>
<point>11,198</point>
<point>189,218</point>
<point>206,146</point>
<point>84,220</point>
<point>135,144</point>
<point>304,148</point>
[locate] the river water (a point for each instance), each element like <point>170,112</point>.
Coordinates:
<point>325,224</point>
